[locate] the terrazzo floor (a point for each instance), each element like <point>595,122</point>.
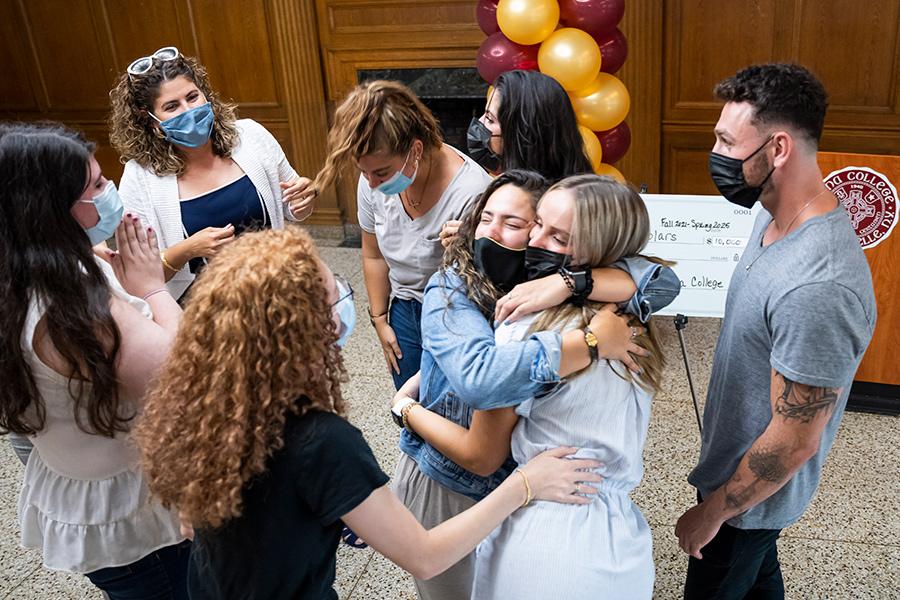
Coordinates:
<point>847,546</point>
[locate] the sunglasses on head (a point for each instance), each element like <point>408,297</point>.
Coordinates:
<point>142,65</point>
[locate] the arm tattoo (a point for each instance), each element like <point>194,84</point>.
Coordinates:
<point>803,402</point>
<point>766,465</point>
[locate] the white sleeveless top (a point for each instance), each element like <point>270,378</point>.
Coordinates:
<point>84,501</point>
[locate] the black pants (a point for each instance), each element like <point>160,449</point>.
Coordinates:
<point>737,563</point>
<point>161,575</point>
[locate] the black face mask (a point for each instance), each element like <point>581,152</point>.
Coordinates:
<point>504,266</point>
<point>478,139</point>
<point>728,175</point>
<point>541,263</point>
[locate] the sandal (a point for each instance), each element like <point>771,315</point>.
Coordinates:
<point>351,539</point>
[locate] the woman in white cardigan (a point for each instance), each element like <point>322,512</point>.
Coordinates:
<point>194,173</point>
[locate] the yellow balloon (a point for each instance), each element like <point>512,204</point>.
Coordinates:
<point>603,104</point>
<point>490,92</point>
<point>611,171</point>
<point>527,21</point>
<point>570,56</point>
<point>592,146</point>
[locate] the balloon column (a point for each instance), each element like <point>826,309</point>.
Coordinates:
<point>578,43</point>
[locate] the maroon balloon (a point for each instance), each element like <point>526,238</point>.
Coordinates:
<point>498,54</point>
<point>613,50</point>
<point>486,13</point>
<point>615,142</point>
<point>597,17</point>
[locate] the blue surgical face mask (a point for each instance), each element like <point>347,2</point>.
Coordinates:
<point>109,207</point>
<point>346,312</point>
<point>398,182</point>
<point>191,128</point>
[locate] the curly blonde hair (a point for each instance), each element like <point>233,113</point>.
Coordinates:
<point>256,342</point>
<point>136,136</point>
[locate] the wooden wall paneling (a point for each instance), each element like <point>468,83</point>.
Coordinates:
<point>685,156</point>
<point>295,31</point>
<point>137,30</point>
<point>72,67</point>
<point>855,50</point>
<point>642,74</point>
<point>377,24</point>
<point>16,85</point>
<point>708,40</point>
<point>235,45</point>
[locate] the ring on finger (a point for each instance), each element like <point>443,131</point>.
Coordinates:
<point>633,332</point>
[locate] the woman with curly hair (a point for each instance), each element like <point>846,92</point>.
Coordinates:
<point>80,340</point>
<point>193,171</point>
<point>244,434</point>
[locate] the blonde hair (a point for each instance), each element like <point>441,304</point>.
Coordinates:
<point>609,223</point>
<point>377,116</point>
<point>135,134</point>
<point>256,342</point>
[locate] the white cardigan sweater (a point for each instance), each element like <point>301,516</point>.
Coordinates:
<point>155,199</point>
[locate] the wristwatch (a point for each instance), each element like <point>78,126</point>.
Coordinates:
<point>580,284</point>
<point>591,340</point>
<point>398,408</point>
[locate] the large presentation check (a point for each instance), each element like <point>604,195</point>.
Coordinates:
<point>705,236</point>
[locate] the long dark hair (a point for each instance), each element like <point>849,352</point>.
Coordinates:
<point>459,256</point>
<point>538,125</point>
<point>45,255</point>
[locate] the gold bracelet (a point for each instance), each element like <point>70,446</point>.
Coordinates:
<point>162,257</point>
<point>404,416</point>
<point>528,495</point>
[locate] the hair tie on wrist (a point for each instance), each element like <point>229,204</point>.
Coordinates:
<point>148,294</point>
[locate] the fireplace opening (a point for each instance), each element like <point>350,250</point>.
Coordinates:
<point>454,95</point>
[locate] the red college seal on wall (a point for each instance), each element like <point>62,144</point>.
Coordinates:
<point>870,200</point>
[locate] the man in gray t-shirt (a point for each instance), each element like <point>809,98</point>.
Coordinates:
<point>799,315</point>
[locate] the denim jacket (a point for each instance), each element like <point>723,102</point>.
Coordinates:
<point>463,369</point>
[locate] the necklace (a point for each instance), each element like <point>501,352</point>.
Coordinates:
<point>424,188</point>
<point>787,229</point>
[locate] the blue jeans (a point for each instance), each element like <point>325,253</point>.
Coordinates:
<point>161,575</point>
<point>405,319</point>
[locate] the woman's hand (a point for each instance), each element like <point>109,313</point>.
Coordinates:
<point>185,527</point>
<point>207,242</point>
<point>136,260</point>
<point>449,232</point>
<point>389,344</point>
<point>410,389</point>
<point>531,297</point>
<point>559,479</point>
<point>300,197</point>
<point>615,338</point>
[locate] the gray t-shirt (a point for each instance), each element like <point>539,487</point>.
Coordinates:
<point>805,308</point>
<point>412,247</point>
